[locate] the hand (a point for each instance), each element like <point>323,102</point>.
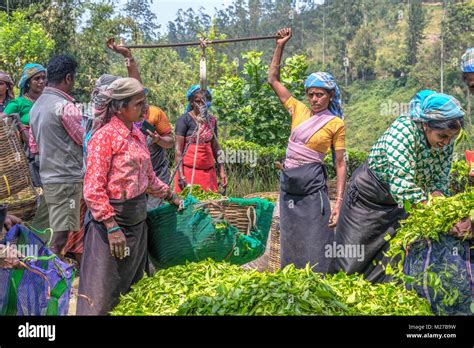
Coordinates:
<point>463,229</point>
<point>117,243</point>
<point>58,243</point>
<point>283,36</point>
<point>182,183</point>
<point>437,193</point>
<point>223,179</point>
<point>120,49</point>
<point>154,136</point>
<point>334,216</point>
<point>9,257</point>
<point>177,202</point>
<point>11,220</point>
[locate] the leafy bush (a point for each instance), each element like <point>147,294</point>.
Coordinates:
<point>247,106</point>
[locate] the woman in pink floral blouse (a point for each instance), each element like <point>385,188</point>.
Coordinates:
<point>119,175</point>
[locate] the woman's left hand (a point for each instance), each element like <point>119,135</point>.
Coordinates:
<point>437,193</point>
<point>334,216</point>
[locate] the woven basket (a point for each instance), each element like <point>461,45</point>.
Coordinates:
<point>264,195</point>
<point>274,258</point>
<point>239,216</point>
<point>332,189</point>
<point>23,203</point>
<point>14,172</point>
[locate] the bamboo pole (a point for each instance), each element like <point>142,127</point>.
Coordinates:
<point>206,42</point>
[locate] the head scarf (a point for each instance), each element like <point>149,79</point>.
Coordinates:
<point>28,72</point>
<point>326,81</point>
<point>120,88</point>
<point>190,93</point>
<point>108,88</point>
<point>432,106</point>
<point>8,80</point>
<point>467,61</point>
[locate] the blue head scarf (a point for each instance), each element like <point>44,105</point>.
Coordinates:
<point>326,81</point>
<point>28,71</point>
<point>467,61</point>
<point>190,93</point>
<point>432,106</point>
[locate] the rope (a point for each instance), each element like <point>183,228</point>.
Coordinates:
<point>252,219</point>
<point>195,157</point>
<point>50,230</point>
<point>7,184</point>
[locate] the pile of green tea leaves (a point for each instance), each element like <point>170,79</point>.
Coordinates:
<point>199,193</point>
<point>428,221</point>
<point>218,288</point>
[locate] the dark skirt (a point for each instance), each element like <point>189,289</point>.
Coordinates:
<point>367,214</point>
<point>304,217</point>
<point>103,278</point>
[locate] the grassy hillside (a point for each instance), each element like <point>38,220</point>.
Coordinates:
<point>372,107</point>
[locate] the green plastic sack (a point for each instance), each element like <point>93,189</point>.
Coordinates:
<point>193,235</point>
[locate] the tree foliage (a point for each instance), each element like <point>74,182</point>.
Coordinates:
<point>247,106</point>
<point>416,25</point>
<point>22,42</point>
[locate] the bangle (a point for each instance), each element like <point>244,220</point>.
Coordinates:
<point>113,229</point>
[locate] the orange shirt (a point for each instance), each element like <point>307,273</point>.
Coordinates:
<point>158,118</point>
<point>333,132</point>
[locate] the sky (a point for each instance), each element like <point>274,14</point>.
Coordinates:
<point>165,10</point>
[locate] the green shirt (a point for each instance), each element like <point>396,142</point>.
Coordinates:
<point>20,106</point>
<point>402,159</point>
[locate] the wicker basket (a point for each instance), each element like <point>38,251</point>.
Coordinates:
<point>23,204</point>
<point>264,195</point>
<point>274,258</point>
<point>14,172</point>
<point>239,216</point>
<point>332,189</point>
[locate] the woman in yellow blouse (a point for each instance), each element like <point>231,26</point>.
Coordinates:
<point>306,220</point>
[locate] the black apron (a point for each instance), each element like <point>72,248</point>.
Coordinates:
<point>367,214</point>
<point>103,278</point>
<point>304,217</point>
<point>160,165</point>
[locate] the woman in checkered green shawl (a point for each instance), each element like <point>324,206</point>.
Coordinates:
<point>410,161</point>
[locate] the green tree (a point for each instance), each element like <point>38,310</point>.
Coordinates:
<point>145,19</point>
<point>22,42</point>
<point>362,53</point>
<point>88,46</point>
<point>60,19</point>
<point>416,25</point>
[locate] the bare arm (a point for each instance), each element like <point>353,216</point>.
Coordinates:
<point>127,54</point>
<point>220,164</point>
<point>179,148</point>
<point>341,172</point>
<point>165,141</point>
<point>274,72</point>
